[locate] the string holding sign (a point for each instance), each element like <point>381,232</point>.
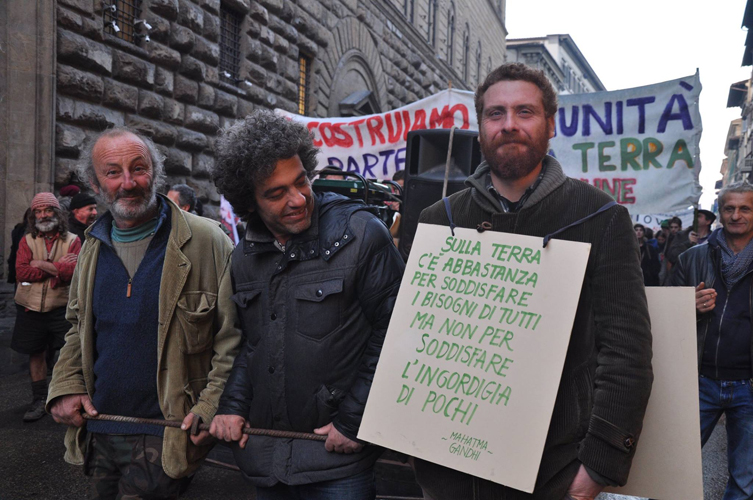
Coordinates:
<point>584,219</point>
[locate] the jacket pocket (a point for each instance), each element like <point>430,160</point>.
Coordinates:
<point>584,388</point>
<point>249,311</point>
<point>193,389</point>
<point>572,409</point>
<point>318,308</point>
<point>195,314</point>
<point>327,402</point>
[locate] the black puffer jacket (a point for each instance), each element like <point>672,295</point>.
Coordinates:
<point>314,319</point>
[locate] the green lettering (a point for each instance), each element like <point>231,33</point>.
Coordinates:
<point>630,149</point>
<point>583,147</point>
<point>651,149</point>
<point>604,158</point>
<point>680,153</point>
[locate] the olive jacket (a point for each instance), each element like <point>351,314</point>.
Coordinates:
<point>199,335</point>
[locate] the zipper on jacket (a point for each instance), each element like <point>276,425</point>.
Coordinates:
<point>128,290</point>
<point>719,337</point>
<point>721,320</point>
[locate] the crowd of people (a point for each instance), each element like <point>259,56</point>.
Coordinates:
<point>661,246</point>
<point>159,317</point>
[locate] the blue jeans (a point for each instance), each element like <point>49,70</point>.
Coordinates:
<point>358,487</point>
<point>735,399</point>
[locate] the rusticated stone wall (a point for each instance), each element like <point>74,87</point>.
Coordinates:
<point>171,90</point>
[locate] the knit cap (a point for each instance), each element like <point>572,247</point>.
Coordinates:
<point>70,190</point>
<point>82,200</point>
<point>44,199</point>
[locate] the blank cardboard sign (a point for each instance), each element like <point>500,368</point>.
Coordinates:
<point>667,463</point>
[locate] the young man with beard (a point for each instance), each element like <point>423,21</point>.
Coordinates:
<point>315,279</point>
<point>606,379</point>
<point>153,330</point>
<point>44,267</point>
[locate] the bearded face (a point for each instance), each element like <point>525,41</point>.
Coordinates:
<point>128,205</point>
<point>47,225</point>
<point>125,176</point>
<point>514,131</point>
<point>513,155</point>
<point>46,220</point>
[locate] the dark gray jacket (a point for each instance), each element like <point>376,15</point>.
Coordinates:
<point>314,319</point>
<point>607,376</point>
<point>702,263</point>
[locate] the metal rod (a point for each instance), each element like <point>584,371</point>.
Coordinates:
<point>205,427</point>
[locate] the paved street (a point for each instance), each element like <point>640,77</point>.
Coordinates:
<point>32,463</point>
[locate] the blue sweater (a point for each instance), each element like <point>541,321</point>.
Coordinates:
<point>125,362</point>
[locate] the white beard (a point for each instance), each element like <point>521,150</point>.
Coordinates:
<point>46,227</point>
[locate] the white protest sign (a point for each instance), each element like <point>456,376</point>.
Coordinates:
<point>640,145</point>
<point>374,145</point>
<point>667,462</point>
<point>473,357</point>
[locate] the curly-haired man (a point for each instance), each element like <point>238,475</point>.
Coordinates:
<point>315,280</point>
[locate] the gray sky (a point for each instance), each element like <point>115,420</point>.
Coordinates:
<point>641,42</point>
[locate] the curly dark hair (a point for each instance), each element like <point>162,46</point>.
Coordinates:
<point>247,153</point>
<point>31,222</point>
<point>513,72</point>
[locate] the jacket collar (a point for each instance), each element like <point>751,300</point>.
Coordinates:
<point>713,240</point>
<point>74,222</point>
<point>553,178</point>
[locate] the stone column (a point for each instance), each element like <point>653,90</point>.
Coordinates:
<point>27,109</point>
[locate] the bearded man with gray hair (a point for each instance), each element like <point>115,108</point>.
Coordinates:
<point>153,331</point>
<point>44,266</point>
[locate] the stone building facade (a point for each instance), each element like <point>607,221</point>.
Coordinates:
<point>560,59</point>
<point>180,70</point>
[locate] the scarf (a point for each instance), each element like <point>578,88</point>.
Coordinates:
<point>734,266</point>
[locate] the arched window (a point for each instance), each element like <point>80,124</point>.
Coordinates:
<point>431,22</point>
<point>451,34</point>
<point>408,10</point>
<point>466,53</point>
<point>478,63</point>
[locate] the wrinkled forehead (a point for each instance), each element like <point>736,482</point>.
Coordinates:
<point>512,93</point>
<point>737,200</point>
<point>109,148</point>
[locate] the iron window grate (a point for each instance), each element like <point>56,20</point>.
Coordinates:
<point>119,18</point>
<point>230,53</point>
<point>303,85</point>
